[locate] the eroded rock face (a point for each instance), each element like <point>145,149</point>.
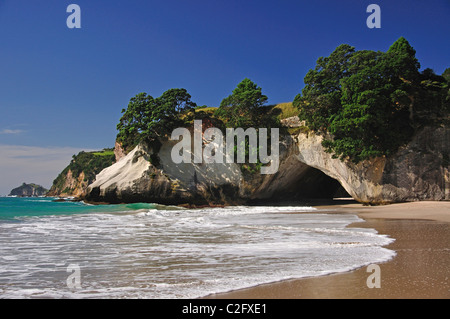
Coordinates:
<point>73,186</point>
<point>119,152</point>
<point>133,179</point>
<point>419,171</point>
<point>294,180</point>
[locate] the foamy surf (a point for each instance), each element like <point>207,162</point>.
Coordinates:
<point>178,253</point>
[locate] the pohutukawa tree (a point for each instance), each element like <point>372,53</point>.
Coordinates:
<point>366,103</point>
<point>148,119</point>
<point>242,107</point>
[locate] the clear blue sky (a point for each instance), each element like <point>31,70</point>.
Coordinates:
<point>62,87</point>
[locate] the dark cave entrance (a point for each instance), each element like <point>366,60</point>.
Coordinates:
<point>309,186</point>
<point>314,184</point>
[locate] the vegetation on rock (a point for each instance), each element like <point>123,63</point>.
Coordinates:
<point>84,164</point>
<point>368,104</point>
<point>28,190</point>
<point>147,119</point>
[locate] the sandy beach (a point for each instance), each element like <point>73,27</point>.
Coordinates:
<point>420,269</point>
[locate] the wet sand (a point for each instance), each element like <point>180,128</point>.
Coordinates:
<point>420,269</point>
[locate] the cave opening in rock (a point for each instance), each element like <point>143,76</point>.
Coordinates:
<point>314,184</point>
<point>309,185</point>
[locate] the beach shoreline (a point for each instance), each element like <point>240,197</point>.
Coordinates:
<point>420,269</point>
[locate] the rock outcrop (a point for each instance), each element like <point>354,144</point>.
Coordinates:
<point>418,171</point>
<point>82,170</point>
<point>69,184</point>
<point>133,179</point>
<point>292,121</point>
<point>28,190</point>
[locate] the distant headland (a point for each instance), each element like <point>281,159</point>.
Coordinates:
<point>28,190</point>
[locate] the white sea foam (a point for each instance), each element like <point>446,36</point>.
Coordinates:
<point>179,253</point>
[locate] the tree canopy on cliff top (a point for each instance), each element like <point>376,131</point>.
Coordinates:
<point>240,109</point>
<point>245,108</point>
<point>367,103</point>
<point>147,118</point>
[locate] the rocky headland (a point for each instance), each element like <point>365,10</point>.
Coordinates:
<point>418,171</point>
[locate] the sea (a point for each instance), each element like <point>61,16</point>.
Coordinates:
<point>66,249</point>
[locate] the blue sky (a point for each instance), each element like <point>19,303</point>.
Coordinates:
<point>65,88</point>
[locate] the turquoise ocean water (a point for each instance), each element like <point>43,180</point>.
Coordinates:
<point>155,251</point>
<point>13,207</point>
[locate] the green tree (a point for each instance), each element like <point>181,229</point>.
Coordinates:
<point>434,95</point>
<point>134,119</point>
<point>242,107</point>
<point>364,102</point>
<point>446,75</point>
<point>403,60</point>
<point>373,110</point>
<point>148,119</point>
<point>320,98</point>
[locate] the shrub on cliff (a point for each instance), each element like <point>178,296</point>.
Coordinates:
<point>368,103</point>
<point>148,119</point>
<point>245,107</point>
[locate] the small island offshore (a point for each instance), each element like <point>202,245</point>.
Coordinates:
<point>29,190</point>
